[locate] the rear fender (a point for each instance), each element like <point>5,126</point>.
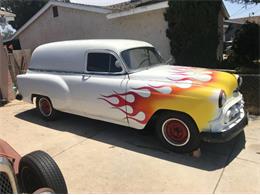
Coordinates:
<point>52,86</point>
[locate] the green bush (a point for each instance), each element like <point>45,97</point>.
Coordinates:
<point>193,32</point>
<point>246,43</point>
<point>245,48</point>
<point>245,57</point>
<point>250,90</point>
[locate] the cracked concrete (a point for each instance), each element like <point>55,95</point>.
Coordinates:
<point>98,157</point>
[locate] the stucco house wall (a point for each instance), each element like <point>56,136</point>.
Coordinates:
<point>70,24</point>
<point>87,22</point>
<point>78,24</point>
<point>149,26</point>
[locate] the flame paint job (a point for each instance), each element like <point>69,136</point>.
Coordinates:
<point>128,99</point>
<point>194,91</point>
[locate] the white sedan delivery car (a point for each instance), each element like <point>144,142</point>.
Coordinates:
<point>126,82</point>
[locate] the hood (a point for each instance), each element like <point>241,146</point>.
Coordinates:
<point>187,77</point>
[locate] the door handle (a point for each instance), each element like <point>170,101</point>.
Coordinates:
<point>85,77</point>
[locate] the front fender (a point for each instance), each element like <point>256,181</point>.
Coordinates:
<point>201,104</point>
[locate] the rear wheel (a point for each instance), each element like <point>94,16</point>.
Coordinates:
<point>178,132</point>
<point>45,108</point>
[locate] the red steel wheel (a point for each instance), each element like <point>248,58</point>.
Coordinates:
<point>176,132</point>
<point>45,107</point>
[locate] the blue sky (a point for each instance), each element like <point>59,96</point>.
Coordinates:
<point>235,10</point>
<point>240,10</point>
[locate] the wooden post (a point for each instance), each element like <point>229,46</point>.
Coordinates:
<point>6,84</point>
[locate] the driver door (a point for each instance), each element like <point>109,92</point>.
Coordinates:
<point>99,88</point>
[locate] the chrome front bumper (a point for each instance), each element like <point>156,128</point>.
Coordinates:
<point>230,121</point>
<point>7,169</point>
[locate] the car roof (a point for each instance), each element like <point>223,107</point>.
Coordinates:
<point>116,45</point>
<point>71,55</point>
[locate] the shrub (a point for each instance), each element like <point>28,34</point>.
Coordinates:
<point>246,44</point>
<point>193,31</point>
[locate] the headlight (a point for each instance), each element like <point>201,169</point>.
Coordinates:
<point>222,98</point>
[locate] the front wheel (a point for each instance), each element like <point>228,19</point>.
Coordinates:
<point>178,132</point>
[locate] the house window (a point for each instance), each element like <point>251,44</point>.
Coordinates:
<point>55,11</point>
<point>102,62</point>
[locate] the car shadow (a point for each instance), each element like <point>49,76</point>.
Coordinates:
<point>213,156</point>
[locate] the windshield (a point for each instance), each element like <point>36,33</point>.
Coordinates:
<point>139,58</point>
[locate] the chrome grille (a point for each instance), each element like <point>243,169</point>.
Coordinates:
<point>5,185</point>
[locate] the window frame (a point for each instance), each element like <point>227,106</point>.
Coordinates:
<point>105,52</point>
<point>130,71</point>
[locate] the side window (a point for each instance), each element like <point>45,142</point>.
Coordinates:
<point>102,62</point>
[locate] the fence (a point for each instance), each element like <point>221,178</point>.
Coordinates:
<point>11,64</point>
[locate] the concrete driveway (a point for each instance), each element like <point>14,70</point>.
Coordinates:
<point>98,157</point>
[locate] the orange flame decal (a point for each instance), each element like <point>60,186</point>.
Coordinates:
<point>132,103</point>
<point>137,104</point>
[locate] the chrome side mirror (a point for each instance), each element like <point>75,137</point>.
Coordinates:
<point>118,64</point>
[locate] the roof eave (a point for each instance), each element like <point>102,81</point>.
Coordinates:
<point>152,7</point>
<point>233,22</point>
<point>225,11</point>
<point>138,10</point>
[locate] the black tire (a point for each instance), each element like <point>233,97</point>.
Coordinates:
<point>39,170</point>
<point>181,136</point>
<point>52,114</point>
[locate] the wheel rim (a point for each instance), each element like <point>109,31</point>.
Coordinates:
<point>45,107</point>
<point>175,132</point>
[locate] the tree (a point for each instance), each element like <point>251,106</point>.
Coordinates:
<point>193,31</point>
<point>24,9</point>
<point>245,1</point>
<point>246,43</point>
